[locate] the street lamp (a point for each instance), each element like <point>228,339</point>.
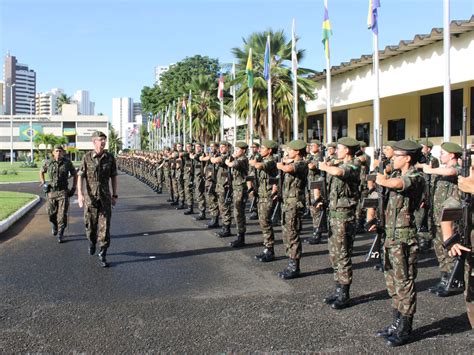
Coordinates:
<point>11,85</point>
<point>31,130</point>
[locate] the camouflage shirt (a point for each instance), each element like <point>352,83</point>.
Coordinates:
<point>59,172</point>
<point>263,175</point>
<point>344,191</point>
<point>313,174</point>
<point>444,188</point>
<point>97,171</point>
<point>294,184</point>
<point>240,171</point>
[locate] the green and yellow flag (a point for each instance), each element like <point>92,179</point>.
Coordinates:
<point>249,70</point>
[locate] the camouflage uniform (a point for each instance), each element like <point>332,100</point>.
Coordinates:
<point>174,178</point>
<point>252,172</point>
<point>210,186</point>
<point>314,175</point>
<point>222,186</point>
<point>188,178</point>
<point>58,199</point>
<point>199,183</point>
<point>239,190</point>
<point>364,190</point>
<point>265,199</point>
<point>97,171</point>
<point>180,178</point>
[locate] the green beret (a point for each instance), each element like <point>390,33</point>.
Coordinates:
<point>315,141</point>
<point>241,145</point>
<point>362,144</point>
<point>429,144</point>
<point>389,143</point>
<point>348,142</point>
<point>224,143</point>
<point>270,144</point>
<point>451,147</point>
<point>98,134</point>
<point>256,144</point>
<point>58,146</point>
<point>297,144</point>
<point>407,146</point>
<point>332,145</point>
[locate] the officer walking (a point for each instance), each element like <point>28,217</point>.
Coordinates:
<point>97,169</point>
<point>59,170</point>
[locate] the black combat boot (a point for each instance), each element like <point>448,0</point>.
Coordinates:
<point>266,256</point>
<point>189,211</point>
<point>292,270</point>
<point>213,223</point>
<point>402,333</point>
<point>331,298</point>
<point>160,190</point>
<point>91,248</point>
<point>389,330</point>
<point>224,232</point>
<point>181,206</point>
<point>315,238</point>
<point>424,245</point>
<point>253,216</point>
<point>169,200</point>
<point>174,203</point>
<point>102,257</point>
<point>60,235</point>
<point>200,217</point>
<point>343,299</point>
<point>239,242</point>
<point>443,281</point>
<point>54,229</point>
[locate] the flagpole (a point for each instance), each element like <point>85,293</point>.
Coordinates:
<point>174,125</point>
<point>222,118</point>
<point>269,93</point>
<point>447,79</point>
<point>294,61</point>
<point>190,118</point>
<point>184,127</point>
<point>376,77</point>
<point>233,104</point>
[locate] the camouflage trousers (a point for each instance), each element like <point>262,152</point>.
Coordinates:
<point>181,194</point>
<point>316,215</point>
<point>239,199</point>
<point>160,177</point>
<point>58,205</point>
<point>212,201</point>
<point>469,290</point>
<point>167,178</point>
<point>420,215</point>
<point>290,215</point>
<point>340,245</point>
<point>265,210</point>
<point>446,262</point>
<point>400,265</point>
<point>361,213</point>
<point>188,189</point>
<point>174,185</point>
<point>97,220</point>
<point>200,190</point>
<point>225,209</point>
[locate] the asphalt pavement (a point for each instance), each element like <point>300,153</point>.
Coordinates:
<point>173,286</point>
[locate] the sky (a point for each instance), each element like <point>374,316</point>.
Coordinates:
<point>111,47</point>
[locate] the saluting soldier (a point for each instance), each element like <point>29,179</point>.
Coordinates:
<point>174,177</point>
<point>343,198</point>
<point>365,163</point>
<point>180,161</point>
<point>295,171</point>
<point>98,169</point>
<point>211,182</point>
<point>199,180</point>
<point>266,173</point>
<point>254,155</point>
<point>445,187</point>
<point>239,166</point>
<point>222,188</point>
<point>189,179</point>
<point>59,170</point>
<point>314,174</point>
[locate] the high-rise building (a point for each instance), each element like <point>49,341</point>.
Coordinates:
<point>20,81</point>
<point>46,102</point>
<point>122,115</point>
<point>1,97</point>
<point>86,107</point>
<point>137,113</point>
<point>159,70</point>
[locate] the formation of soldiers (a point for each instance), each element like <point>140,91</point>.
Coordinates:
<point>330,183</point>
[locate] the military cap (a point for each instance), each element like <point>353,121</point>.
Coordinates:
<point>429,144</point>
<point>348,142</point>
<point>58,146</point>
<point>332,145</point>
<point>362,144</point>
<point>224,143</point>
<point>98,134</point>
<point>270,144</point>
<point>407,146</point>
<point>297,144</point>
<point>451,147</point>
<point>389,143</point>
<point>256,144</point>
<point>315,141</point>
<point>241,145</point>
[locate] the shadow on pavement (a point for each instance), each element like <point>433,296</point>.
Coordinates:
<point>445,326</point>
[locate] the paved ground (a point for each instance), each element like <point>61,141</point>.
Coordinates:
<point>174,286</point>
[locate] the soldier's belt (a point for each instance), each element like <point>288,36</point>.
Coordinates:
<point>341,214</point>
<point>401,233</point>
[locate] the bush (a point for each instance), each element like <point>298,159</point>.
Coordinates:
<point>3,172</point>
<point>28,164</point>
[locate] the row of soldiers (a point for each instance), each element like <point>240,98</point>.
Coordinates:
<point>331,183</point>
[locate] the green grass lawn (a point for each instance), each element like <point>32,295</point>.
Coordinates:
<point>22,176</point>
<point>12,201</point>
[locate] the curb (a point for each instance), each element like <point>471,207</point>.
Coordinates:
<point>7,222</point>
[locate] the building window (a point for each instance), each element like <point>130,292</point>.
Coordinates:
<point>339,124</point>
<point>396,130</point>
<point>363,132</point>
<point>313,132</point>
<point>432,113</point>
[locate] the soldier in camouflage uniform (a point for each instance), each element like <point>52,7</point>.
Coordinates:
<point>239,168</point>
<point>59,170</point>
<point>160,174</point>
<point>266,173</point>
<point>364,160</point>
<point>423,215</point>
<point>223,187</point>
<point>199,180</point>
<point>343,198</point>
<point>98,167</point>
<point>174,177</point>
<point>445,186</point>
<point>253,185</point>
<point>295,171</point>
<point>405,187</point>
<point>211,182</point>
<point>180,162</point>
<point>314,174</point>
<point>189,179</point>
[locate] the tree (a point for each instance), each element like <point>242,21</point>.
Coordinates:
<point>282,85</point>
<point>48,140</point>
<point>62,100</point>
<point>144,138</point>
<point>115,142</point>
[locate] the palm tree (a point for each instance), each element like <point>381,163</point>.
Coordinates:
<point>115,142</point>
<point>62,100</point>
<point>282,86</point>
<point>49,140</point>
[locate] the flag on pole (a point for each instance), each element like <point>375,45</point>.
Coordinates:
<point>158,120</point>
<point>372,18</point>
<point>266,60</point>
<point>327,31</point>
<point>178,112</point>
<point>220,90</point>
<point>294,57</point>
<point>249,70</point>
<point>183,107</point>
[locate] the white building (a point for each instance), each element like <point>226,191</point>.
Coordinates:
<point>122,115</point>
<point>46,102</point>
<point>85,106</point>
<point>159,70</point>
